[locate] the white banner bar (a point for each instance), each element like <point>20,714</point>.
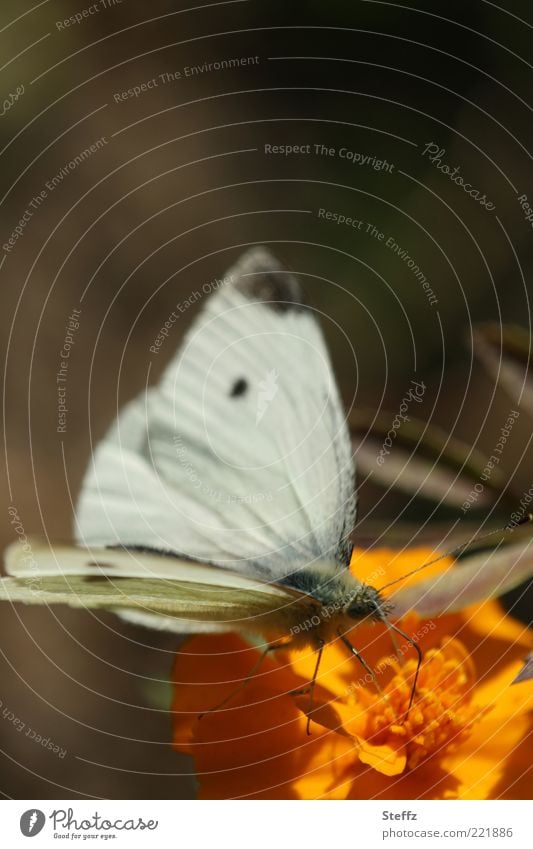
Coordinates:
<point>267,825</point>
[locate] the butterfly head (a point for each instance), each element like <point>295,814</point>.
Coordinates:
<point>365,603</point>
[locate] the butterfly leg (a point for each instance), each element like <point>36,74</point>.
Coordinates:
<point>395,644</point>
<point>302,691</point>
<point>312,685</point>
<point>246,681</point>
<point>310,688</point>
<point>363,663</point>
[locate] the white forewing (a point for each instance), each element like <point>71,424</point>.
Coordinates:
<point>240,456</point>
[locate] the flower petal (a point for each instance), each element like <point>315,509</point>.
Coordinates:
<point>495,761</point>
<point>389,758</point>
<point>256,746</point>
<point>464,737</point>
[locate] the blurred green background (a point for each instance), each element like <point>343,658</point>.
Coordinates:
<point>179,182</point>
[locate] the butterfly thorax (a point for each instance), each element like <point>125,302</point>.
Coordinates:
<point>338,601</point>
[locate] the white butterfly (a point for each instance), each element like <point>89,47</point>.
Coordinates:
<point>223,498</point>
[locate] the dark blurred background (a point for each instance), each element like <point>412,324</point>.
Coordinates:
<point>176,182</point>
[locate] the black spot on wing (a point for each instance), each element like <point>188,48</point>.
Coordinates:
<point>239,388</point>
<point>99,565</point>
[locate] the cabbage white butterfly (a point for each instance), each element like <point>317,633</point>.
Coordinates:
<point>223,498</point>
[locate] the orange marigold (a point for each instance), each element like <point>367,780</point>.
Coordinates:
<point>464,736</point>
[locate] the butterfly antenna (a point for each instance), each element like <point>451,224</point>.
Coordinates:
<point>460,548</point>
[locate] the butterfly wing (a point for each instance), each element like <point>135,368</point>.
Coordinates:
<point>149,588</point>
<point>481,576</point>
<point>240,456</point>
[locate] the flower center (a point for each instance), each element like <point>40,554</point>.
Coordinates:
<point>441,713</point>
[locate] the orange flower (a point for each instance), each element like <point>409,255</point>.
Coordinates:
<point>464,736</point>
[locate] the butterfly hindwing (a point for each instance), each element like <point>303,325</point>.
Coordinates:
<point>474,579</point>
<point>148,588</point>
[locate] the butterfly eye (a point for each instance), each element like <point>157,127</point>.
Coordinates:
<point>367,602</point>
<point>360,608</point>
<point>239,388</point>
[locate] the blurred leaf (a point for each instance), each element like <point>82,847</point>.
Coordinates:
<point>440,536</point>
<point>480,576</point>
<point>422,459</point>
<point>505,352</point>
<point>158,694</point>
